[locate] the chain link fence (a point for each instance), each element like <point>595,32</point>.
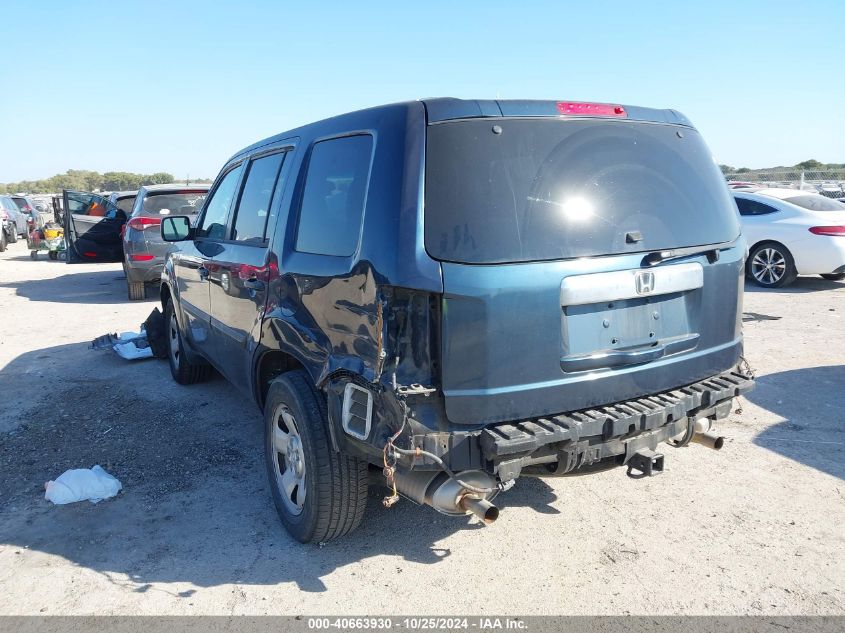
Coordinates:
<point>830,183</point>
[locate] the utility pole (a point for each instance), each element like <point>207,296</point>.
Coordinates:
<point>188,180</point>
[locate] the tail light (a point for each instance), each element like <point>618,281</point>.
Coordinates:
<point>141,257</point>
<point>828,230</point>
<point>591,109</point>
<point>142,223</point>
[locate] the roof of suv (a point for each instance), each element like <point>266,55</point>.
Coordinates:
<point>446,108</point>
<point>441,109</point>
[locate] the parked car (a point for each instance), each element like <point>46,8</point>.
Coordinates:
<point>92,227</point>
<point>456,293</point>
<point>24,203</point>
<point>144,250</point>
<point>6,228</point>
<point>123,200</point>
<point>791,233</point>
<point>737,184</point>
<point>16,217</point>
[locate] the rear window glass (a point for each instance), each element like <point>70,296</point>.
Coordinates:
<point>333,199</point>
<point>817,203</point>
<point>513,190</point>
<point>173,202</point>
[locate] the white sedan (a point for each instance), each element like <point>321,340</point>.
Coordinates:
<point>791,233</point>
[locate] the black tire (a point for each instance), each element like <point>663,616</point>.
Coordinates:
<point>13,237</point>
<point>2,241</point>
<point>135,290</point>
<point>834,276</point>
<point>183,371</point>
<point>33,254</point>
<point>771,265</point>
<point>335,484</point>
<point>52,254</point>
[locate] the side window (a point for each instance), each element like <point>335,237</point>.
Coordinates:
<point>752,207</point>
<point>213,224</point>
<point>333,199</point>
<point>87,204</point>
<point>256,197</point>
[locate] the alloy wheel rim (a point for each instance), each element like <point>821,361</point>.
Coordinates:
<point>768,266</point>
<point>174,340</point>
<point>289,460</point>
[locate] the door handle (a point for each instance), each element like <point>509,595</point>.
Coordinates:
<point>203,273</point>
<point>254,284</point>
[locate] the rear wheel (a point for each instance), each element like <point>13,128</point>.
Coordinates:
<point>13,237</point>
<point>183,371</point>
<point>319,494</point>
<point>834,276</point>
<point>2,241</point>
<point>136,291</point>
<point>33,254</point>
<point>770,265</point>
<point>52,254</point>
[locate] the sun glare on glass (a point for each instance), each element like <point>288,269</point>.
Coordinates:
<point>577,209</point>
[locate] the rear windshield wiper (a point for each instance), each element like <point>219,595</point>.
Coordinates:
<point>711,250</point>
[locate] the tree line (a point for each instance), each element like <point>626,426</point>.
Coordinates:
<point>807,165</point>
<point>85,180</point>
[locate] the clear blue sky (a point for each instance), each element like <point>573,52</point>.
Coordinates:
<point>178,87</point>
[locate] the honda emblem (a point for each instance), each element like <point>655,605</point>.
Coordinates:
<point>644,281</point>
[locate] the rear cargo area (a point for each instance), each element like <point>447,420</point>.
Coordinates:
<point>584,262</point>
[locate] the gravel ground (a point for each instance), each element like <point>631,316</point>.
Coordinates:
<point>754,529</point>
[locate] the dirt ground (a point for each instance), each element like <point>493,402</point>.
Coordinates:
<point>754,529</point>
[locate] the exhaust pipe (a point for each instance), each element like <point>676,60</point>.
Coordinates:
<point>481,508</point>
<point>447,496</point>
<point>710,440</point>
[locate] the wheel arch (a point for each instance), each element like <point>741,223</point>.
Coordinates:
<point>270,363</point>
<point>769,241</point>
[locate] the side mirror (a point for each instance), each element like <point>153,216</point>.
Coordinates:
<point>176,228</point>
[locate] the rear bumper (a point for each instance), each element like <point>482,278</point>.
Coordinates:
<point>144,244</point>
<point>563,443</point>
<point>144,272</point>
<point>819,254</point>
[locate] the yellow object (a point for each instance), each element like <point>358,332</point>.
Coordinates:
<point>50,234</point>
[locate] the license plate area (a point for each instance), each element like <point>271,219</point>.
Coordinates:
<point>607,325</point>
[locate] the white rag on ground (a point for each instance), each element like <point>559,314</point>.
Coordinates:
<point>93,484</point>
<point>127,348</point>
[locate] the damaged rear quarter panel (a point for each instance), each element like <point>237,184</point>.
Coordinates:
<point>324,310</point>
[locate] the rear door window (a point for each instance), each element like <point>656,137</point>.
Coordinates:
<point>256,199</point>
<point>517,190</point>
<point>332,204</point>
<point>91,204</point>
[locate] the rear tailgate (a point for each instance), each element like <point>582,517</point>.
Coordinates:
<point>566,280</point>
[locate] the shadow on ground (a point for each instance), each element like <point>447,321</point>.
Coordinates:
<point>811,401</point>
<point>196,507</point>
<point>799,286</point>
<point>79,286</point>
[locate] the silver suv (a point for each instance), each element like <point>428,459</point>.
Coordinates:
<point>143,249</point>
